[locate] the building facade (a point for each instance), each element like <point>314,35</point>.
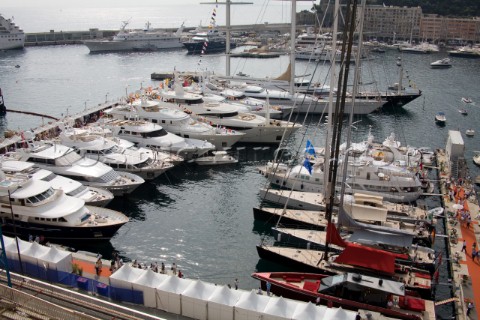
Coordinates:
<point>440,28</point>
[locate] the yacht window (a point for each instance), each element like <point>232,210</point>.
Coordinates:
<point>42,219</point>
<point>85,217</point>
<point>77,178</point>
<point>37,218</point>
<point>50,177</point>
<point>163,121</point>
<point>68,159</point>
<point>40,197</point>
<point>156,133</point>
<point>107,177</point>
<point>80,189</point>
<point>154,120</point>
<point>144,164</point>
<point>61,219</point>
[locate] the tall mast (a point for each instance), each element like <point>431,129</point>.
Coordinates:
<point>227,4</point>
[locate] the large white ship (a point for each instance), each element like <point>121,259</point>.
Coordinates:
<point>145,40</point>
<point>11,36</point>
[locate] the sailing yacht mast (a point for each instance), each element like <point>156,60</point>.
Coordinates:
<point>227,4</point>
<point>339,111</point>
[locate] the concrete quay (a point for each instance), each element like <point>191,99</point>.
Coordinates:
<point>465,271</point>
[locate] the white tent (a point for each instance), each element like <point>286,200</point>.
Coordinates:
<point>309,311</point>
<point>123,277</point>
<point>279,308</point>
<point>11,249</point>
<point>194,299</point>
<point>7,241</point>
<point>250,306</point>
<point>32,254</point>
<point>169,294</point>
<point>221,302</point>
<point>147,283</point>
<point>339,314</point>
<point>57,259</point>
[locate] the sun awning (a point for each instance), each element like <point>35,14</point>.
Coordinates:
<point>358,255</point>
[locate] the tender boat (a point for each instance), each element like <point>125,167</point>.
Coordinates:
<point>145,40</point>
<point>476,158</point>
<point>470,132</point>
<point>12,37</point>
<point>343,290</point>
<point>218,157</point>
<point>31,207</point>
<point>440,118</point>
<point>441,64</point>
<point>467,100</point>
<point>463,111</point>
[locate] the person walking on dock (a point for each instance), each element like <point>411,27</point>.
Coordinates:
<point>98,266</point>
<point>464,246</point>
<point>469,308</point>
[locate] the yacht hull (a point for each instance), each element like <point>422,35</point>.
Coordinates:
<point>213,46</point>
<point>96,46</point>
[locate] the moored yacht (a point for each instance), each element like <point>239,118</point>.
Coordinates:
<point>91,195</point>
<point>109,152</point>
<point>176,121</point>
<point>207,42</point>
<point>144,40</point>
<point>11,36</point>
<point>441,64</point>
<point>257,129</point>
<point>151,135</point>
<point>65,161</point>
<point>384,179</point>
<point>33,208</point>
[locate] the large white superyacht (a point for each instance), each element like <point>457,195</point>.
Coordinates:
<point>92,196</point>
<point>11,36</point>
<point>145,40</point>
<point>151,135</point>
<point>257,129</point>
<point>32,207</point>
<point>65,161</point>
<point>176,121</point>
<point>109,152</point>
<point>393,183</point>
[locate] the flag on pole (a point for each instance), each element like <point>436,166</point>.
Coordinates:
<point>309,148</point>
<point>308,165</point>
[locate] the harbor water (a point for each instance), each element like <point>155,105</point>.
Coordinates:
<point>201,217</point>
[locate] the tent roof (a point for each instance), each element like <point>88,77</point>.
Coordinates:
<point>339,314</point>
<point>252,301</point>
<point>370,258</point>
<point>55,255</point>
<point>199,289</point>
<point>127,273</point>
<point>281,307</point>
<point>36,250</point>
<point>151,279</point>
<point>309,311</point>
<point>23,246</point>
<point>174,284</point>
<point>226,296</point>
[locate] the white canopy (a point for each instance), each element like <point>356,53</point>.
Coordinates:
<point>339,314</point>
<point>147,283</point>
<point>35,251</point>
<point>279,308</point>
<point>60,260</point>
<point>11,249</point>
<point>309,311</point>
<point>221,302</point>
<point>169,294</point>
<point>194,299</point>
<point>125,276</point>
<point>250,306</point>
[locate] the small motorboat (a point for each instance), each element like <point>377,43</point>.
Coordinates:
<point>441,64</point>
<point>467,100</point>
<point>476,158</point>
<point>463,111</point>
<point>440,118</point>
<point>218,157</point>
<point>470,132</point>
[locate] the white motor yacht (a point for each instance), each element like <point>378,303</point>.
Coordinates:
<point>31,207</point>
<point>217,157</point>
<point>144,40</point>
<point>257,129</point>
<point>109,152</point>
<point>151,135</point>
<point>65,161</point>
<point>91,195</point>
<point>366,175</point>
<point>176,121</point>
<point>441,64</point>
<point>12,37</point>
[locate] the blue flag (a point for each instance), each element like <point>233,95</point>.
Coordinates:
<point>308,165</point>
<point>309,148</point>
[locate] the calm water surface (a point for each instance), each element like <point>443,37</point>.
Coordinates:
<point>201,218</point>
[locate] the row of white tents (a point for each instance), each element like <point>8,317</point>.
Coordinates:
<point>37,259</point>
<point>200,300</point>
<point>191,298</point>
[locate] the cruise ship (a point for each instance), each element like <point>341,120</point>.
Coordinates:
<point>145,40</point>
<point>11,36</point>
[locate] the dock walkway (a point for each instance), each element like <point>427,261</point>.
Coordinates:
<point>466,273</point>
